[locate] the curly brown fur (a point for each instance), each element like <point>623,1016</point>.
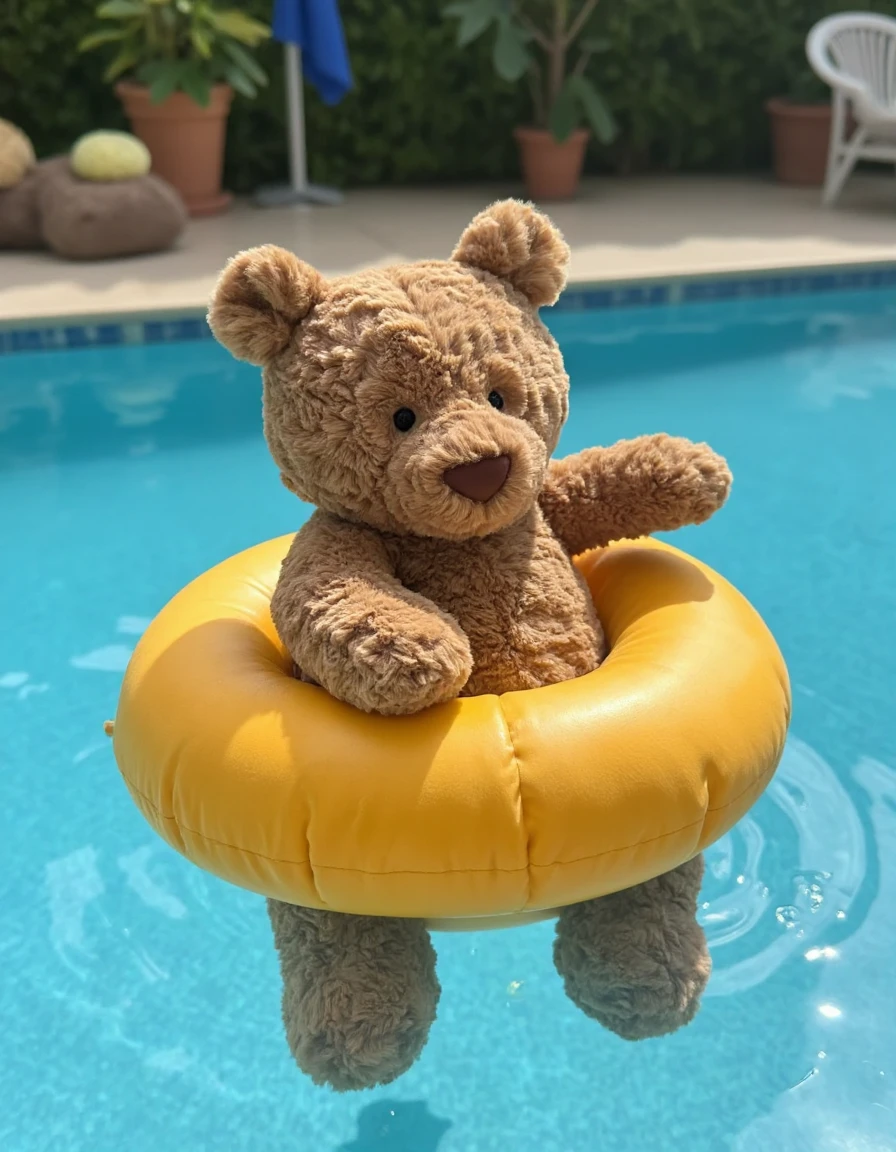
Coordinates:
<point>351,625</point>
<point>260,296</point>
<point>637,961</point>
<point>517,244</point>
<point>652,484</point>
<point>359,993</point>
<point>401,591</point>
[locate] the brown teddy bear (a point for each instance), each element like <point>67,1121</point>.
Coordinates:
<point>418,407</point>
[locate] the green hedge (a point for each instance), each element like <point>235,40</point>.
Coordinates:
<point>686,78</point>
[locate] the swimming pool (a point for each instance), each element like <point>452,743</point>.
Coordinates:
<point>139,998</point>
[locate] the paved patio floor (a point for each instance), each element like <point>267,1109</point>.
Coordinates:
<point>618,230</point>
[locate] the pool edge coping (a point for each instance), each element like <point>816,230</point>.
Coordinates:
<point>187,322</point>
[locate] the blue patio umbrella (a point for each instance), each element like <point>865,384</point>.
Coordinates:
<point>313,46</point>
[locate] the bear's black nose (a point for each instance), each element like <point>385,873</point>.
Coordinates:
<point>480,480</point>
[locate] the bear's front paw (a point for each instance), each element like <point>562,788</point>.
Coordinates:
<point>398,674</point>
<point>415,673</point>
<point>695,479</point>
<point>711,480</point>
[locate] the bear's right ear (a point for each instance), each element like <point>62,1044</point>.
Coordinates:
<point>260,297</point>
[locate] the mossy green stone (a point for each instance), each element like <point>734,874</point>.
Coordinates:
<point>106,156</point>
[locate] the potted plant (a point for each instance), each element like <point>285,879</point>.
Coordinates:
<point>178,63</point>
<point>545,42</point>
<point>801,131</point>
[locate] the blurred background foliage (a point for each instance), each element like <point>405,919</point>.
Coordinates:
<point>686,80</point>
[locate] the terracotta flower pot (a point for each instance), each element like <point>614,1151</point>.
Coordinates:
<point>186,142</point>
<point>800,138</point>
<point>551,170</point>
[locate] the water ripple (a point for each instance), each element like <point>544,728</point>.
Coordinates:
<point>784,874</point>
<point>846,1100</point>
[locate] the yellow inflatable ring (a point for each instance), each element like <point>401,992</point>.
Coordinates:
<point>485,810</point>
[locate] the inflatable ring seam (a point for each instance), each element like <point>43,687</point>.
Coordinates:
<point>523,821</point>
<point>760,781</point>
<point>170,819</point>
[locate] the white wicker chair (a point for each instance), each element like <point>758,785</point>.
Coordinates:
<point>855,53</point>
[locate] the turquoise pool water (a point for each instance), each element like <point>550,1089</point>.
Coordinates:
<point>139,998</point>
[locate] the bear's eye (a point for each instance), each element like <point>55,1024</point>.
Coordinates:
<point>404,419</point>
<point>496,400</point>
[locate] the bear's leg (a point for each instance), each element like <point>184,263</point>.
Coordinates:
<point>359,993</point>
<point>637,960</point>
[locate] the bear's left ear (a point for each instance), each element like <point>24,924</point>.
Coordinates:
<point>260,297</point>
<point>516,243</point>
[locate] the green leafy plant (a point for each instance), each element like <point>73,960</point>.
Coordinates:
<point>687,81</point>
<point>180,46</point>
<point>538,39</point>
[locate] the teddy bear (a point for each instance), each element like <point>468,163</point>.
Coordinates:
<point>418,407</point>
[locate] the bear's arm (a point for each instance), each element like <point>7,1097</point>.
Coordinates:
<point>636,487</point>
<point>354,629</point>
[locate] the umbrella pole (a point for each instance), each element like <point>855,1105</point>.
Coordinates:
<point>298,191</point>
<point>295,109</point>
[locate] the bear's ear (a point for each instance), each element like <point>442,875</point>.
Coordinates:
<point>260,297</point>
<point>518,244</point>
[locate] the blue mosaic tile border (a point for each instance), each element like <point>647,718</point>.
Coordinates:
<point>67,336</point>
<point>702,291</point>
<point>575,299</point>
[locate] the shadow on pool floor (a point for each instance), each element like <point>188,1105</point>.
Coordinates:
<point>395,1126</point>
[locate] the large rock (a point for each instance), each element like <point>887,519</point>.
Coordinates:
<point>20,213</point>
<point>86,220</point>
